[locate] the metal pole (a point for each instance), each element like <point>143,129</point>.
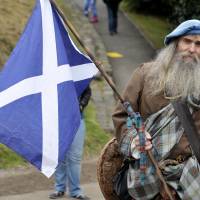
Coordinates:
<point>112,85</point>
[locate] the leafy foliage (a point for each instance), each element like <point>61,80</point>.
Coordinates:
<point>176,11</point>
<point>183,10</point>
<point>158,7</point>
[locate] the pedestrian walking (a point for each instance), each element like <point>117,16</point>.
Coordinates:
<point>67,174</point>
<point>166,92</point>
<point>90,7</point>
<point>112,8</point>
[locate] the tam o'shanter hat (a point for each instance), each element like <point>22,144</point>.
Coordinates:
<point>189,27</point>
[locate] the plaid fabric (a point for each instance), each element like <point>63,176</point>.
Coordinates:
<point>130,134</point>
<point>190,180</point>
<point>166,132</point>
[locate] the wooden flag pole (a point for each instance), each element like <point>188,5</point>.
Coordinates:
<point>112,85</point>
<point>97,63</point>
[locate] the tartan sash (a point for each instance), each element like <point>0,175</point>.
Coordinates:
<point>166,131</point>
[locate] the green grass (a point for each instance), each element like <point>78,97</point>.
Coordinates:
<point>96,137</point>
<point>9,159</point>
<point>154,28</point>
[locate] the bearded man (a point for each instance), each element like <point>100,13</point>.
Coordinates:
<point>173,75</point>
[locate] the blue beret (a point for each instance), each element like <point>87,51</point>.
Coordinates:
<point>189,27</point>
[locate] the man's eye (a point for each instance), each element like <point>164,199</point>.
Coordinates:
<point>187,41</point>
<point>197,43</point>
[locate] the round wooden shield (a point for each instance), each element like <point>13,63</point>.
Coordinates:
<point>109,163</point>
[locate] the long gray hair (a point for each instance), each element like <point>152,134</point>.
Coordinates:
<point>174,75</point>
<point>160,67</point>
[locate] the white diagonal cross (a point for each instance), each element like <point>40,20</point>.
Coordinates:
<point>46,84</point>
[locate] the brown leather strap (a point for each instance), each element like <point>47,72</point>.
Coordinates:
<point>187,122</point>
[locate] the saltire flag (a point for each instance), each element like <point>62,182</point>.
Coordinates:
<point>39,89</point>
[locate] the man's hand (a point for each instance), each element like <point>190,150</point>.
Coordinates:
<point>148,144</point>
<point>135,145</point>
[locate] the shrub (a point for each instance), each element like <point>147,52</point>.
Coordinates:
<point>176,11</point>
<point>156,7</point>
<point>184,10</point>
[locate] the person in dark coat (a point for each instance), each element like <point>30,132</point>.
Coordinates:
<point>112,7</point>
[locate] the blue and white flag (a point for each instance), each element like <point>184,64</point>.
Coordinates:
<point>39,89</point>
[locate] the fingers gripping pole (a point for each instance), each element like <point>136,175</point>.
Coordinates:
<point>139,125</point>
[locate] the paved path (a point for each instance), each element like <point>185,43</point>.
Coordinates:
<point>30,184</point>
<point>128,42</point>
<point>92,189</point>
<point>135,50</point>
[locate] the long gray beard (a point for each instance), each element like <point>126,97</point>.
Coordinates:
<point>183,77</point>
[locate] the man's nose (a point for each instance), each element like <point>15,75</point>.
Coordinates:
<point>192,47</point>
